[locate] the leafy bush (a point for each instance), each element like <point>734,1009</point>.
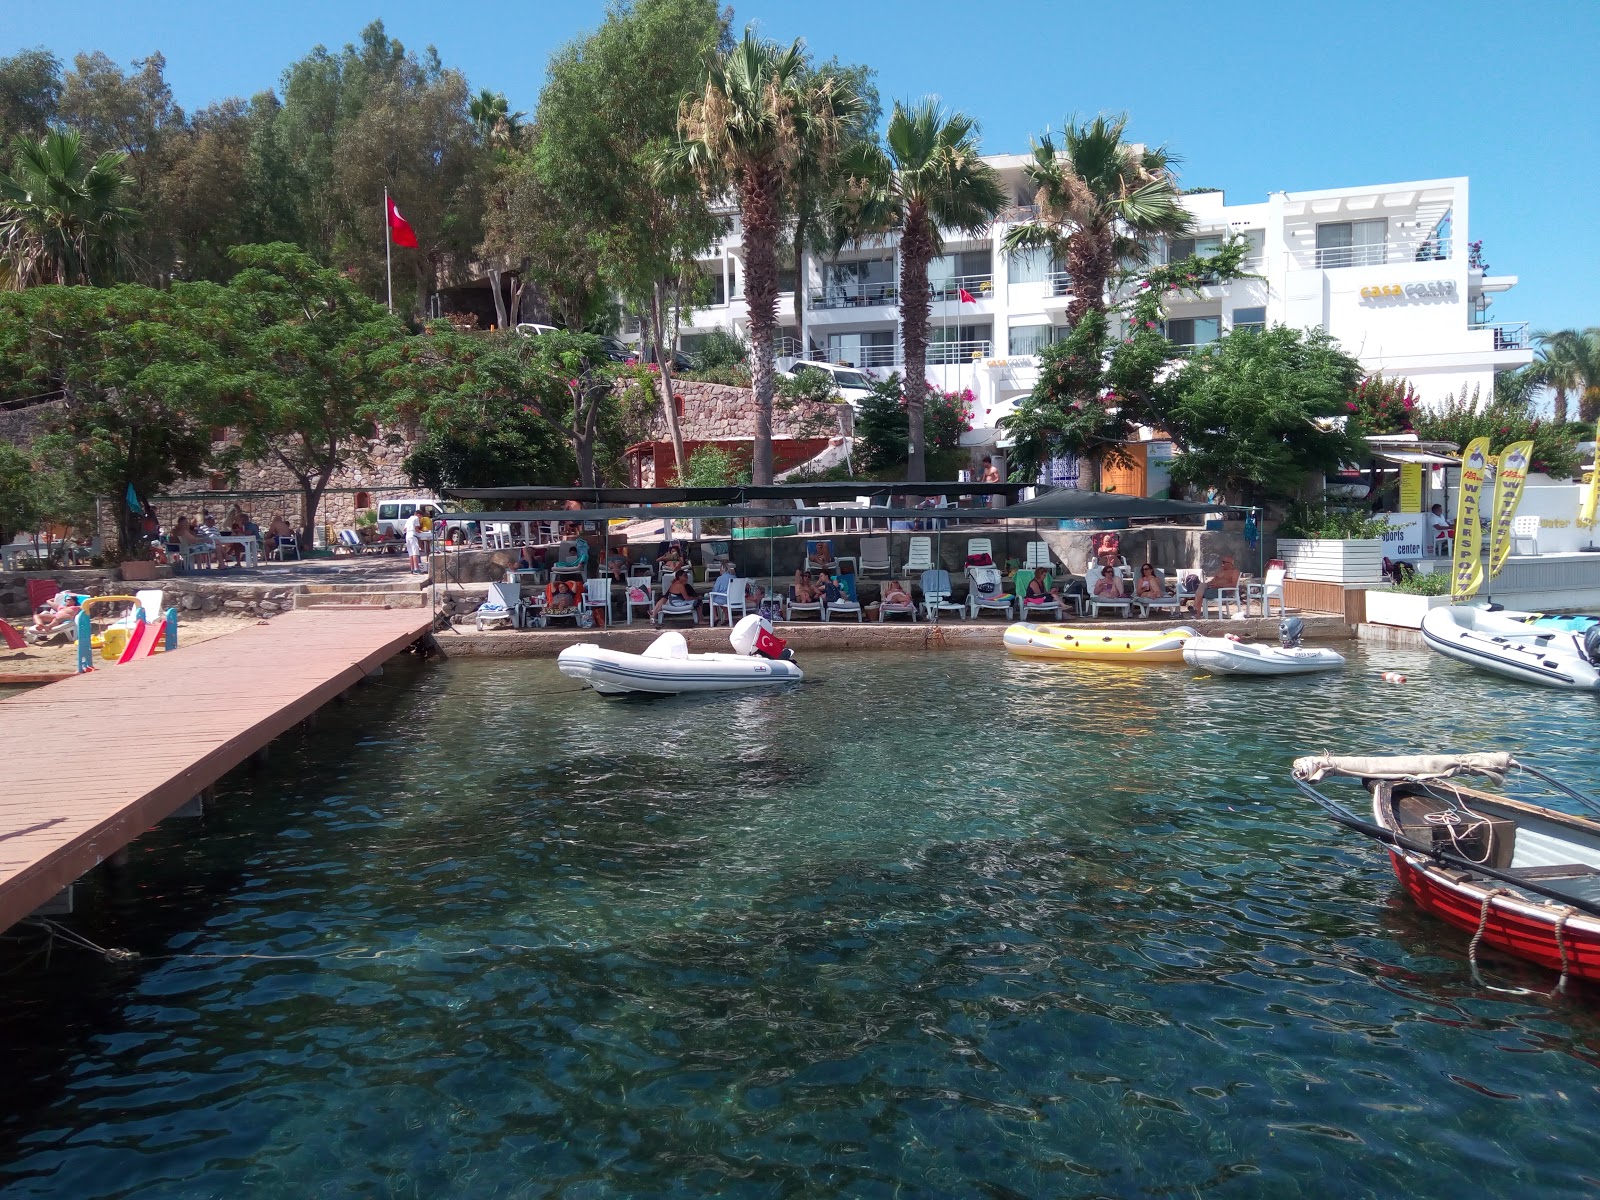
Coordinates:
<point>736,375</point>
<point>715,466</point>
<point>1414,583</point>
<point>883,429</point>
<point>1383,405</point>
<point>718,349</point>
<point>809,383</point>
<point>1304,519</point>
<point>1465,417</point>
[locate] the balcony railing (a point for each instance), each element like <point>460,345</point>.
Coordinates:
<point>1430,249</point>
<point>950,354</point>
<point>1508,335</point>
<point>863,356</point>
<point>853,295</point>
<point>787,347</point>
<point>1060,283</point>
<point>979,287</point>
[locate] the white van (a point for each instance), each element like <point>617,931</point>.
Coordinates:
<point>847,381</point>
<point>393,514</point>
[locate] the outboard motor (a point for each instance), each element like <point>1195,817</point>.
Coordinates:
<point>1290,631</point>
<point>753,635</point>
<point>1591,644</point>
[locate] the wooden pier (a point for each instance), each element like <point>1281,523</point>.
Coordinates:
<point>91,762</point>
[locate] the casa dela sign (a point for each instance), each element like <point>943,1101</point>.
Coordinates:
<point>1433,289</point>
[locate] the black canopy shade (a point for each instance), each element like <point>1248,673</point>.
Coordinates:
<point>811,493</point>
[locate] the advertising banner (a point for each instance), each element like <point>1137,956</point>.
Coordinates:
<point>1410,487</point>
<point>1591,492</point>
<point>1510,472</point>
<point>1466,574</point>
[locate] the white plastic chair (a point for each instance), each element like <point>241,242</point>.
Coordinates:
<point>1027,610</point>
<point>730,598</point>
<point>1525,530</point>
<point>1096,603</point>
<point>1148,604</point>
<point>597,594</point>
<point>919,556</point>
<point>1269,587</point>
<point>646,599</point>
<point>842,605</point>
<point>937,597</point>
<point>874,555</point>
<point>678,607</point>
<point>980,546</point>
<point>887,610</point>
<point>1039,557</point>
<point>977,604</point>
<point>501,607</point>
<point>792,606</point>
<point>1224,596</point>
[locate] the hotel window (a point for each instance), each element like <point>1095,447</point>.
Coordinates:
<point>1194,331</point>
<point>1351,243</point>
<point>970,269</point>
<point>1181,248</point>
<point>857,283</point>
<point>1250,318</point>
<point>876,349</point>
<point>1030,339</point>
<point>785,279</point>
<point>1028,266</point>
<point>712,290</point>
<point>949,344</point>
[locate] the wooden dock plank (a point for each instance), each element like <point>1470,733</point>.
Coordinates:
<point>94,760</point>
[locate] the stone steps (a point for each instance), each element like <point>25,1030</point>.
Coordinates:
<point>361,599</point>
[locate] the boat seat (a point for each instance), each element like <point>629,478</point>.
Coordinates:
<point>1555,871</point>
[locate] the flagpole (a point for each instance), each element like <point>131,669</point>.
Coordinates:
<point>388,250</point>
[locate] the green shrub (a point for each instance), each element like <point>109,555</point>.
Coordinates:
<point>1417,584</point>
<point>1305,519</point>
<point>809,383</point>
<point>883,430</point>
<point>718,349</point>
<point>736,375</point>
<point>715,466</point>
<point>1465,417</point>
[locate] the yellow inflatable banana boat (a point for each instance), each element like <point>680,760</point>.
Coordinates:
<point>1101,645</point>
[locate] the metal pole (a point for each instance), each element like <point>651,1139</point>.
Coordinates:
<point>388,251</point>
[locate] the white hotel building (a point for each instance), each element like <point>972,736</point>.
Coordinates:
<point>1385,269</point>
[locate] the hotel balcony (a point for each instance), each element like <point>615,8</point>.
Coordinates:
<point>1508,335</point>
<point>979,287</point>
<point>949,354</point>
<point>853,295</point>
<point>1427,249</point>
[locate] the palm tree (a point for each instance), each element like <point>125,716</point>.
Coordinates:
<point>1569,361</point>
<point>1097,198</point>
<point>760,116</point>
<point>497,125</point>
<point>62,218</point>
<point>930,178</point>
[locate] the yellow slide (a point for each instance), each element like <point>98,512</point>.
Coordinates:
<point>1102,645</point>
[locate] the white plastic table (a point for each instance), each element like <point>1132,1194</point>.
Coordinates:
<point>252,548</point>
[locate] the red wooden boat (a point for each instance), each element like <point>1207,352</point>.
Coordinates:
<point>1520,877</point>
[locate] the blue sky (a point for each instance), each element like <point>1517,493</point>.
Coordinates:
<point>1256,97</point>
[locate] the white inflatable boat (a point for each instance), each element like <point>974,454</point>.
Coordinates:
<point>1222,656</point>
<point>1495,642</point>
<point>666,668</point>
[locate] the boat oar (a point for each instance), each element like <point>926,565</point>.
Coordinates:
<point>1379,834</point>
<point>1592,805</point>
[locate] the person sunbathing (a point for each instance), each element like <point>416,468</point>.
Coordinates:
<point>821,556</point>
<point>53,619</point>
<point>561,601</point>
<point>1036,592</point>
<point>1227,576</point>
<point>1149,585</point>
<point>680,589</point>
<point>896,594</point>
<point>672,559</point>
<point>1108,586</point>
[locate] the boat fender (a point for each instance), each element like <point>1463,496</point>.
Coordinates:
<point>1392,677</point>
<point>1233,637</point>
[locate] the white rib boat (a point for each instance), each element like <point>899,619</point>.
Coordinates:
<point>666,668</point>
<point>1222,656</point>
<point>1492,641</point>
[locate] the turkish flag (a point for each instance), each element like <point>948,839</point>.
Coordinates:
<point>399,227</point>
<point>965,298</point>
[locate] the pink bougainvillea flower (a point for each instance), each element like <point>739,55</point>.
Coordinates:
<point>1353,406</point>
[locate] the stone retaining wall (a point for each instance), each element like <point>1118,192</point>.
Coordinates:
<point>187,595</point>
<point>715,412</point>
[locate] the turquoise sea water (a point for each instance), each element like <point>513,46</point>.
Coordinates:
<point>940,925</point>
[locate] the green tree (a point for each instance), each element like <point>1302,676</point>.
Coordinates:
<point>608,111</point>
<point>883,426</point>
<point>1098,198</point>
<point>63,219</point>
<point>19,498</point>
<point>310,340</point>
<point>30,95</point>
<point>145,374</point>
<point>498,445</point>
<point>1466,415</point>
<point>497,126</point>
<point>1254,413</point>
<point>930,178</point>
<point>554,244</point>
<point>203,196</point>
<point>1569,361</point>
<point>743,132</point>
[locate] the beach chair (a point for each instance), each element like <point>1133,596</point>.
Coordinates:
<point>887,610</point>
<point>639,595</point>
<point>1225,596</point>
<point>874,556</point>
<point>1038,557</point>
<point>728,595</point>
<point>1168,603</point>
<point>792,606</point>
<point>825,563</point>
<point>283,549</point>
<point>977,546</point>
<point>937,597</point>
<point>848,601</point>
<point>678,607</point>
<point>1121,605</point>
<point>350,541</point>
<point>597,596</point>
<point>919,556</point>
<point>1269,587</point>
<point>542,613</point>
<point>1027,611</point>
<point>501,608</point>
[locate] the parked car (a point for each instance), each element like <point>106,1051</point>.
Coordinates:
<point>393,515</point>
<point>617,350</point>
<point>847,381</point>
<point>529,329</point>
